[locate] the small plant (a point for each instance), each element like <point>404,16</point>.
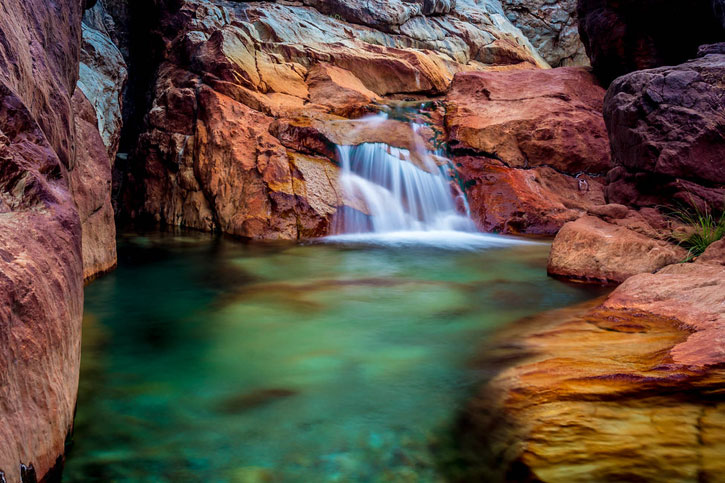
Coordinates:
<point>704,230</point>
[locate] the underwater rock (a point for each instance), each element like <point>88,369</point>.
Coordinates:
<point>627,391</point>
<point>590,249</point>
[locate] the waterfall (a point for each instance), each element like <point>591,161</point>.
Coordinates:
<point>410,197</point>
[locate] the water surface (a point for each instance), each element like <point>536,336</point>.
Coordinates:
<point>206,359</point>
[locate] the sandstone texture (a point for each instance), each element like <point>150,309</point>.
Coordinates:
<point>531,146</point>
<point>90,182</point>
<point>552,26</point>
<point>251,98</point>
<point>667,131</point>
<point>41,276</point>
<point>622,36</point>
<point>629,390</point>
<point>590,249</point>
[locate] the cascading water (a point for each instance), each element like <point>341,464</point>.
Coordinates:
<point>409,197</point>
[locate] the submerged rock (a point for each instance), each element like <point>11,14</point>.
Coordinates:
<point>627,391</point>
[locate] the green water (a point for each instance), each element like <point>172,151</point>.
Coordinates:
<point>210,360</point>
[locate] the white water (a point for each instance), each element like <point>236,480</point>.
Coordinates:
<point>408,197</point>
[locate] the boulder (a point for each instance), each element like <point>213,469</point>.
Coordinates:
<point>525,201</point>
<point>590,249</point>
<point>629,390</point>
<point>529,145</point>
<point>714,254</point>
<point>667,131</point>
<point>623,36</point>
<point>552,27</point>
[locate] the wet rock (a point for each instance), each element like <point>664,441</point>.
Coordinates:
<point>529,146</point>
<point>552,27</point>
<point>516,201</point>
<point>590,249</point>
<point>667,130</point>
<point>625,36</point>
<point>627,391</point>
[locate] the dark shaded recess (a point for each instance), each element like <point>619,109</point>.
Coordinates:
<point>142,47</point>
<point>622,36</point>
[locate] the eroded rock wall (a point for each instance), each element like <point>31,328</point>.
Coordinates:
<point>552,26</point>
<point>249,99</point>
<point>41,276</point>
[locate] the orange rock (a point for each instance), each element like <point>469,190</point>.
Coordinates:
<point>627,391</point>
<point>591,249</point>
<point>529,118</point>
<point>538,201</point>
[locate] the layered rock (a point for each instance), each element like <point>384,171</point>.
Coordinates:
<point>531,146</point>
<point>552,26</point>
<point>667,131</point>
<point>622,36</point>
<point>90,182</point>
<point>590,249</point>
<point>41,289</point>
<point>630,390</point>
<point>246,89</point>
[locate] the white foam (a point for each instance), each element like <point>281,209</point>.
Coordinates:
<point>443,239</point>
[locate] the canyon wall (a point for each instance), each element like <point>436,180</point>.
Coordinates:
<point>41,286</point>
<point>251,98</point>
<point>56,222</point>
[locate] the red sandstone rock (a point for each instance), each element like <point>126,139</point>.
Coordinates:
<point>520,139</point>
<point>536,201</point>
<point>715,254</point>
<point>531,118</point>
<point>41,296</point>
<point>593,250</point>
<point>90,182</point>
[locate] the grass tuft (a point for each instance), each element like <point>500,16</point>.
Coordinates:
<point>705,229</point>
